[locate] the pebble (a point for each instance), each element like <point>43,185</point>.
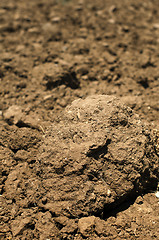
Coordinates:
<point>13,114</point>
<point>157,194</point>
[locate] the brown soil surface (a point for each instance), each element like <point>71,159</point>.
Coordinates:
<point>79,119</point>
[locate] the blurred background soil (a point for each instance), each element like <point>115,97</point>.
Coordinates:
<point>51,53</point>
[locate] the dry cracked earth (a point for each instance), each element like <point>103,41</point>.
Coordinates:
<point>79,119</point>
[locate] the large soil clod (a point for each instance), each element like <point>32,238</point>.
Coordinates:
<point>98,155</point>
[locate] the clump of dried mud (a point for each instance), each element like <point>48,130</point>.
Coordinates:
<point>98,155</point>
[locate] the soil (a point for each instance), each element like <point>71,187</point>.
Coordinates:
<point>79,119</point>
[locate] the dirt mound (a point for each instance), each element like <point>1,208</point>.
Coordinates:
<point>98,155</point>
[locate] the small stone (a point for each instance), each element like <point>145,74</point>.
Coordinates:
<point>29,121</point>
<point>13,114</point>
<point>55,19</point>
<point>157,194</point>
<point>33,30</point>
<point>109,193</point>
<point>86,225</point>
<point>21,155</point>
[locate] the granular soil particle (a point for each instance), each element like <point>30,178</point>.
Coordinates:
<point>83,169</point>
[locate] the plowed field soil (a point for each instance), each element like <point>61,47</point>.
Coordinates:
<point>79,119</point>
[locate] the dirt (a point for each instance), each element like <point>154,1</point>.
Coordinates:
<point>79,119</point>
